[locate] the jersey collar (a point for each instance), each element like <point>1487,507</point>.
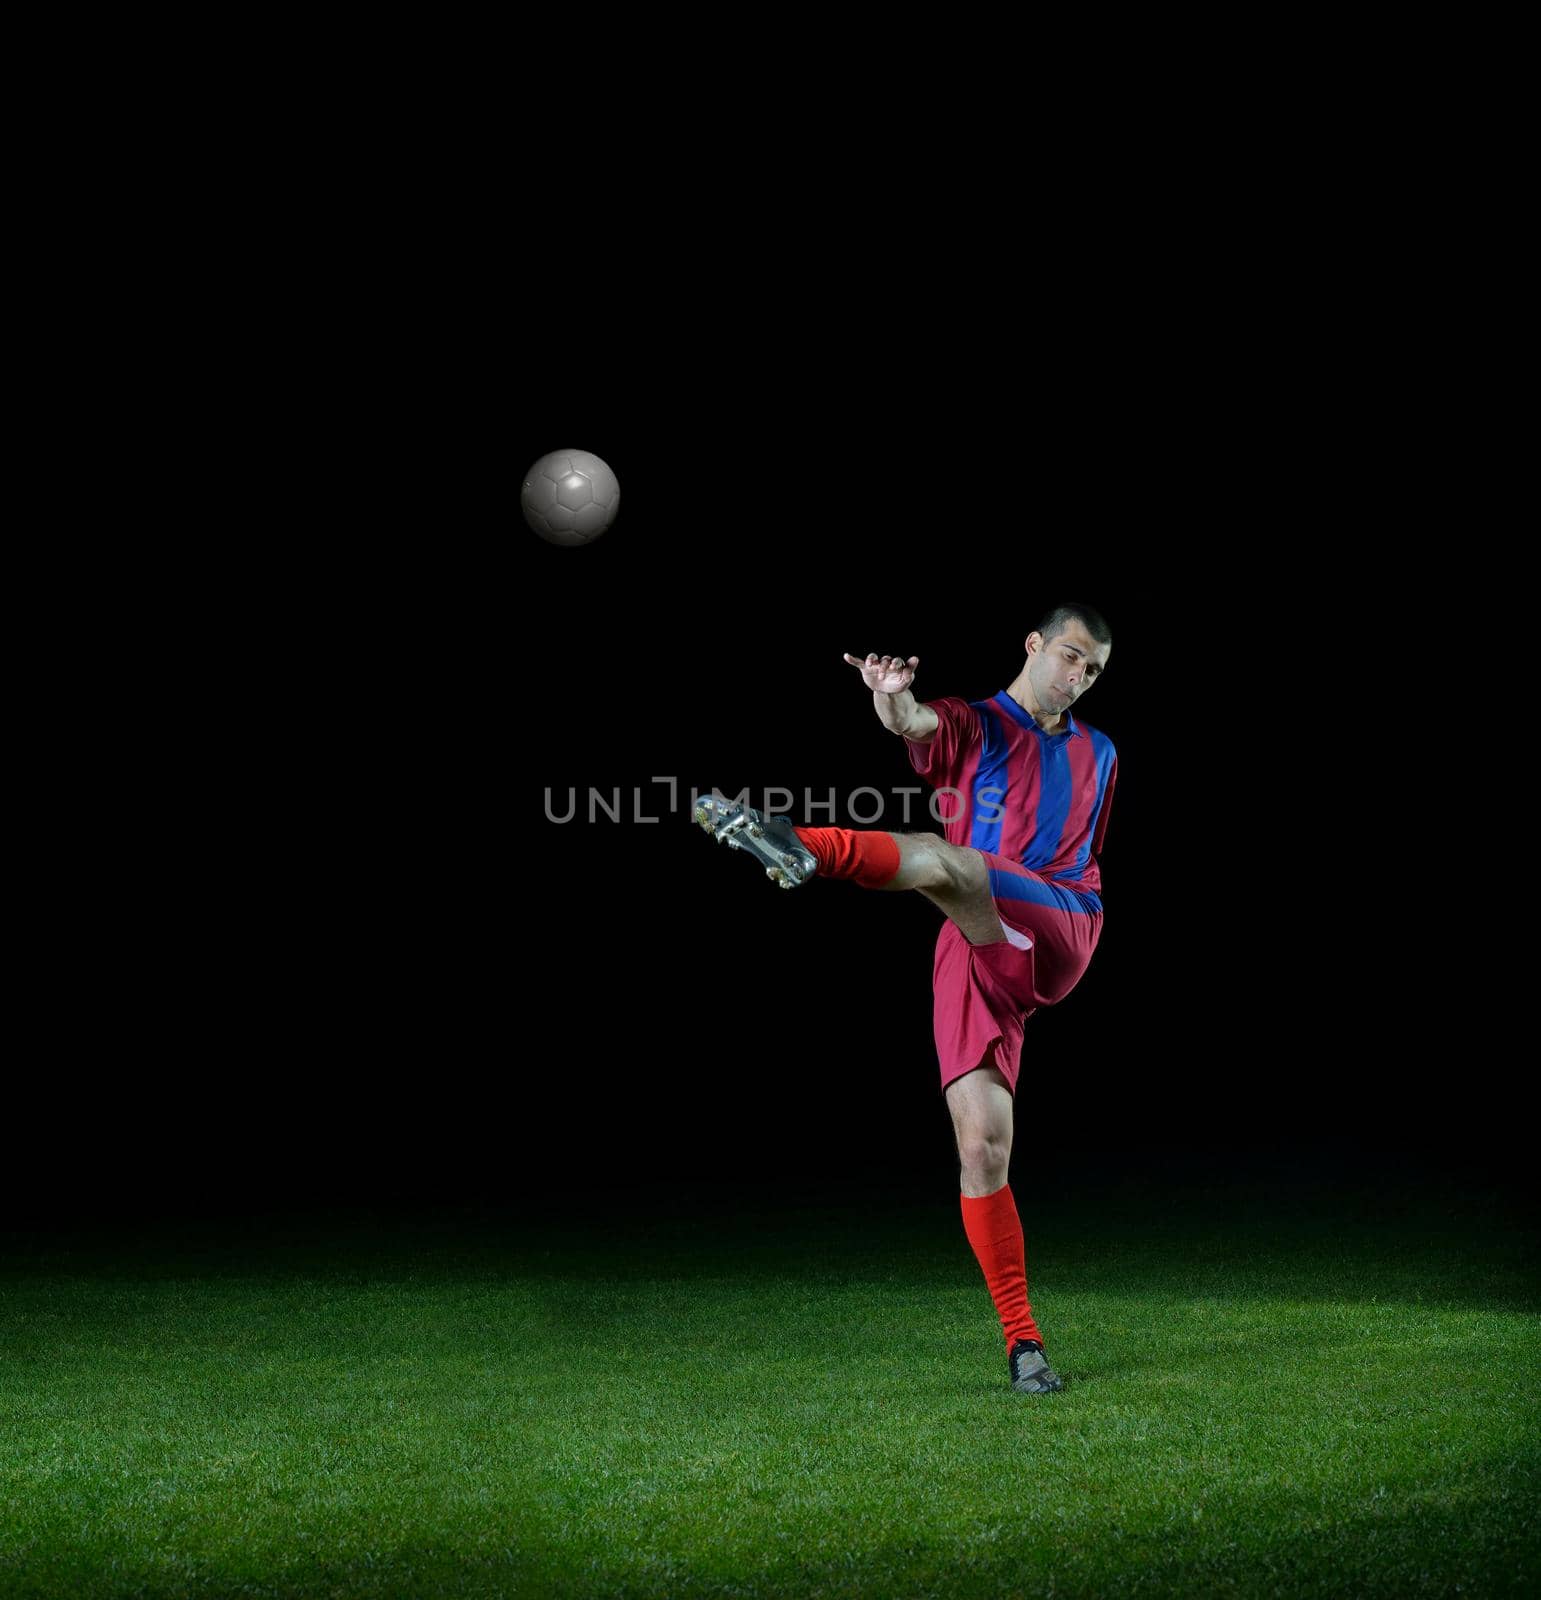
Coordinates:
<point>1025,717</point>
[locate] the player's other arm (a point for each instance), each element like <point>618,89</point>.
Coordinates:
<point>889,678</point>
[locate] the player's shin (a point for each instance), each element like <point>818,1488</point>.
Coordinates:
<point>994,1230</point>
<point>866,856</point>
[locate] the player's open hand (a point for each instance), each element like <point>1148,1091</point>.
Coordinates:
<point>886,674</point>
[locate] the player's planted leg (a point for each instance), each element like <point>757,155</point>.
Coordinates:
<point>981,1107</point>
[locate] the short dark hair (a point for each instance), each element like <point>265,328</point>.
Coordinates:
<point>1057,620</point>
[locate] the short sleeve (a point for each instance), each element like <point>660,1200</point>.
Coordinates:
<point>942,758</point>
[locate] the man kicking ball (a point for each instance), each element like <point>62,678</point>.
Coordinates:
<point>1029,789</point>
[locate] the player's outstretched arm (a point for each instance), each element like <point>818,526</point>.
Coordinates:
<point>889,678</point>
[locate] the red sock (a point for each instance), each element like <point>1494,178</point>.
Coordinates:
<point>868,858</point>
<point>995,1231</point>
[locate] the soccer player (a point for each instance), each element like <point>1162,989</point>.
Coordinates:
<point>1025,788</point>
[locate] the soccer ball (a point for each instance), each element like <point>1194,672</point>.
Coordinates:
<point>570,497</point>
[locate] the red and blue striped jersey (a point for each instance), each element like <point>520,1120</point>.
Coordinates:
<point>1039,798</point>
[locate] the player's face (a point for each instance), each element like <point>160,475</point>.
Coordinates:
<point>1063,668</point>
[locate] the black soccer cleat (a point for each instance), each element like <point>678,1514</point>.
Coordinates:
<point>1030,1369</point>
<point>770,840</point>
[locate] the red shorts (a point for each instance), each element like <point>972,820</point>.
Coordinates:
<point>984,993</point>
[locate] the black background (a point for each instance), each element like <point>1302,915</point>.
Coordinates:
<point>326,947</point>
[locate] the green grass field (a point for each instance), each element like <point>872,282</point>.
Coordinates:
<point>1267,1395</point>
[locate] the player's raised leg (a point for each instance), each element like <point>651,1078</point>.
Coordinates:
<point>981,1106</point>
<point>953,877</point>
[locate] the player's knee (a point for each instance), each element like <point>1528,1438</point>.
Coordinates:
<point>966,870</point>
<point>925,862</point>
<point>959,871</point>
<point>980,1152</point>
<point>945,868</point>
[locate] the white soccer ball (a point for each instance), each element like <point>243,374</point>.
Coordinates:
<point>570,497</point>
